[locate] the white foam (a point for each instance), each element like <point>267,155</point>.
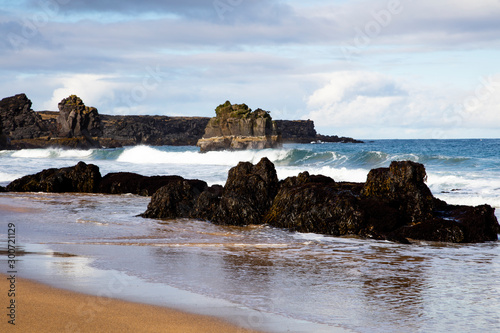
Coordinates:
<point>149,155</point>
<point>338,174</point>
<point>32,153</point>
<point>466,189</point>
<point>8,177</point>
<point>51,153</point>
<point>73,153</point>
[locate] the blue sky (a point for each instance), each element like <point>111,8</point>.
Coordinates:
<point>366,69</point>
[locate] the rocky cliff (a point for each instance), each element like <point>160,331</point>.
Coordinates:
<point>154,130</point>
<point>78,126</point>
<point>237,127</point>
<point>74,125</point>
<point>19,121</point>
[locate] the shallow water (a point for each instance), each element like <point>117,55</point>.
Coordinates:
<point>359,285</point>
<point>307,280</point>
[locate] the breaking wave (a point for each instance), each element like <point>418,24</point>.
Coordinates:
<point>461,172</point>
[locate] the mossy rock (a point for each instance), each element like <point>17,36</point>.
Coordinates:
<point>72,100</point>
<point>228,110</point>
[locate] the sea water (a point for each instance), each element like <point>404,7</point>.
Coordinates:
<point>329,283</point>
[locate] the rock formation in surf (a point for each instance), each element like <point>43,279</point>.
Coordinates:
<point>85,178</point>
<point>153,130</point>
<point>237,127</point>
<point>129,182</point>
<point>393,204</point>
<point>248,194</point>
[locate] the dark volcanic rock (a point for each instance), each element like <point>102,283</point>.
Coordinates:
<point>4,140</point>
<point>177,199</point>
<point>296,131</point>
<point>154,130</point>
<point>317,204</point>
<point>208,202</point>
<point>128,182</point>
<point>248,193</point>
<point>18,121</point>
<point>75,119</point>
<point>335,138</point>
<point>303,131</point>
<point>80,178</point>
<point>402,185</point>
<point>456,224</point>
<point>394,204</point>
<point>236,127</point>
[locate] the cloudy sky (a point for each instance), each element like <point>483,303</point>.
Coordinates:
<point>359,68</point>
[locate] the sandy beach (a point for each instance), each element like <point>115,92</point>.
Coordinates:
<point>40,308</point>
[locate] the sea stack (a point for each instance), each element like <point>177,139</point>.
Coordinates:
<point>75,119</point>
<point>237,127</point>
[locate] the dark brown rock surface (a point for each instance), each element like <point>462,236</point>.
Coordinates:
<point>394,204</point>
<point>128,182</point>
<point>75,119</point>
<point>82,177</point>
<point>18,121</point>
<point>248,194</point>
<point>177,199</point>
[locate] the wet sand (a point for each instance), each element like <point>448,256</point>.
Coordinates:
<point>40,308</point>
<point>15,209</point>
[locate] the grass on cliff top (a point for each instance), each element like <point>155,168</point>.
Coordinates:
<point>239,111</point>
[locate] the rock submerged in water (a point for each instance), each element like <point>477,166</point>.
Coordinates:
<point>393,204</point>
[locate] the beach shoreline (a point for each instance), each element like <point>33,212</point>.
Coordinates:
<point>86,297</point>
<point>36,307</point>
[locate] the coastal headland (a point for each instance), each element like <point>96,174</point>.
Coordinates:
<point>76,125</point>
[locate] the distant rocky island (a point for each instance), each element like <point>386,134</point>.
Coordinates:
<point>78,126</point>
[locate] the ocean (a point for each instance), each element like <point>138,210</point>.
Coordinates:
<point>257,276</point>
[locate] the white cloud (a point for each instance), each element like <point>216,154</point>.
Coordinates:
<point>94,90</point>
<point>371,103</point>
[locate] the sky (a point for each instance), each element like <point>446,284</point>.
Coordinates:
<point>378,69</point>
